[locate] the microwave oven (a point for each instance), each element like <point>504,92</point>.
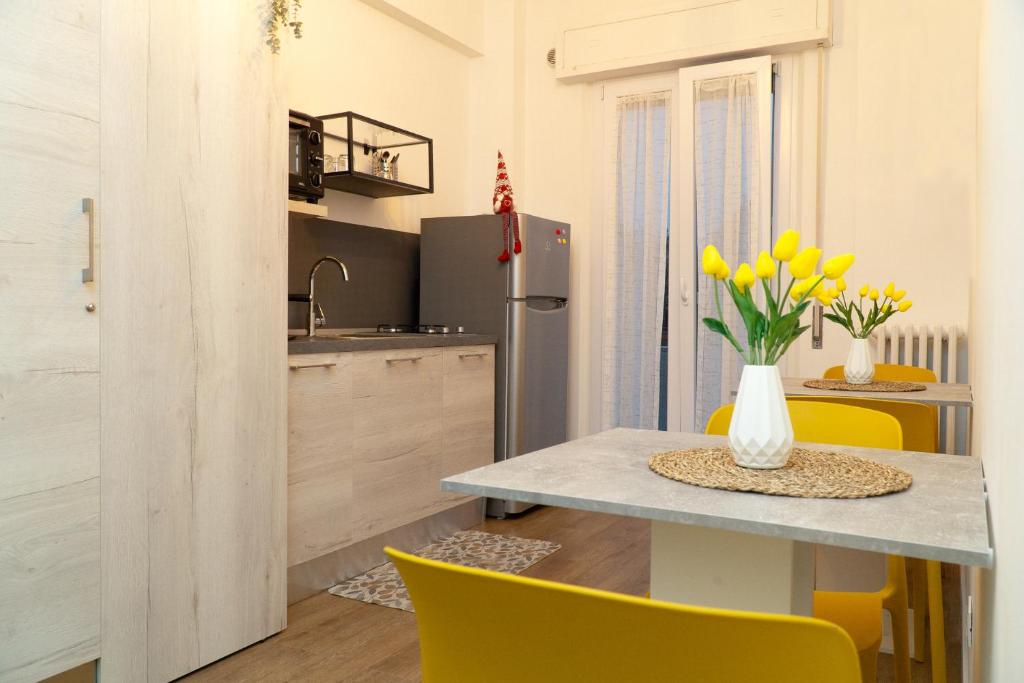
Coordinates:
<point>305,157</point>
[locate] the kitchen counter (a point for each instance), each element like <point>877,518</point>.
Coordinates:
<point>338,341</point>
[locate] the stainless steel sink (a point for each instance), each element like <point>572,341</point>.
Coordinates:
<point>353,335</point>
<point>373,335</point>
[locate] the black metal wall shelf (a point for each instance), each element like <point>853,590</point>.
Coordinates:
<point>375,159</point>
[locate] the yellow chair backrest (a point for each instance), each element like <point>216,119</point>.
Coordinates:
<point>916,435</point>
<point>829,423</point>
<point>918,421</point>
<point>890,373</point>
<point>478,625</point>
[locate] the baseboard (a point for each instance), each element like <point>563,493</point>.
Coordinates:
<point>321,573</point>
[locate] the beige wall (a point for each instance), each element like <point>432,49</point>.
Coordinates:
<point>997,322</point>
<point>899,155</point>
<point>899,150</point>
<point>899,179</point>
<point>354,57</point>
<point>458,23</point>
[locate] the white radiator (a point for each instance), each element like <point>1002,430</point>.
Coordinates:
<point>940,348</point>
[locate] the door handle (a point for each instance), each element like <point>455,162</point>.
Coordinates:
<point>684,294</point>
<point>89,209</point>
<point>473,355</point>
<point>817,325</point>
<point>311,365</point>
<point>545,304</point>
<point>410,359</point>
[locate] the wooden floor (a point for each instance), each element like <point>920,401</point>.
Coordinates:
<point>334,639</point>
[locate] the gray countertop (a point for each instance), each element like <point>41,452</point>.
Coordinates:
<point>942,516</point>
<point>337,341</point>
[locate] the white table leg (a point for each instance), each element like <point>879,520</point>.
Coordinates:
<point>716,568</point>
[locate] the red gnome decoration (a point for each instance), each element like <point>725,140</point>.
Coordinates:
<point>504,204</point>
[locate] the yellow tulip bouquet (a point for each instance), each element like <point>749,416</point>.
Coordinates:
<point>860,317</point>
<point>771,331</point>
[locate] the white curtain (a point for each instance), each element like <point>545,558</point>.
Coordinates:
<point>635,263</point>
<point>726,178</point>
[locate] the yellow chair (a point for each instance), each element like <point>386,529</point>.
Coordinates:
<point>886,372</point>
<point>478,625</point>
<point>920,424</point>
<point>860,614</point>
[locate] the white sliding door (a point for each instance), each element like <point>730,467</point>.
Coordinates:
<point>724,187</point>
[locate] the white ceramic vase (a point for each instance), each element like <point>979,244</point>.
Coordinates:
<point>860,367</point>
<point>760,434</point>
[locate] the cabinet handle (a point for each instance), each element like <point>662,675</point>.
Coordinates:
<point>89,209</point>
<point>314,365</point>
<point>481,354</point>
<point>410,359</point>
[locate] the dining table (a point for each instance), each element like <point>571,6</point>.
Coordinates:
<point>940,394</point>
<point>948,396</point>
<point>742,550</point>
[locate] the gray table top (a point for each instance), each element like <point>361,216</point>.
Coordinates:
<point>936,393</point>
<point>942,516</point>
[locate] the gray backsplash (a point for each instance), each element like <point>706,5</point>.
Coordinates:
<point>383,267</point>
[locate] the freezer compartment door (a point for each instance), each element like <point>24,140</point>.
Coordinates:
<point>542,269</point>
<point>539,374</point>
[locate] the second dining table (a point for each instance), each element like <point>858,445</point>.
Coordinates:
<point>940,394</point>
<point>742,550</point>
<point>944,395</point>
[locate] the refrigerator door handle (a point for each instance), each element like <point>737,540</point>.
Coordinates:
<point>545,303</point>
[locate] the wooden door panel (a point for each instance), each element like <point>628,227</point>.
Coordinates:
<point>396,438</point>
<point>319,456</point>
<point>468,411</point>
<point>49,342</point>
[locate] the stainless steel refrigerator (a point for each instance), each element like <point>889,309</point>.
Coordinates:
<point>524,302</point>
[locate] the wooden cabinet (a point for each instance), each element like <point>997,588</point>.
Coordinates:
<point>396,438</point>
<point>176,366</point>
<point>320,450</point>
<point>467,411</point>
<point>371,434</point>
<point>49,341</point>
<point>193,377</point>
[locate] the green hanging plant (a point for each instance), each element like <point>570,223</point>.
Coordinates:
<point>284,14</point>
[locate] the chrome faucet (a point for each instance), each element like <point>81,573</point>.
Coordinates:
<point>310,298</point>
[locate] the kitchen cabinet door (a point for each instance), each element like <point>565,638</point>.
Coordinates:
<point>467,412</point>
<point>396,445</point>
<point>319,455</point>
<point>49,338</point>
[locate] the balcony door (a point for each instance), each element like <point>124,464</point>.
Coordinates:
<point>724,184</point>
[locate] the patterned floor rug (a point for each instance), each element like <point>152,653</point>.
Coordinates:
<point>383,586</point>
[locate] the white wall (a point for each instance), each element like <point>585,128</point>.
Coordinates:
<point>899,151</point>
<point>997,323</point>
<point>457,23</point>
<point>354,57</point>
<point>899,180</point>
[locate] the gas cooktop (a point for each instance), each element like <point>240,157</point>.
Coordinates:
<point>387,328</point>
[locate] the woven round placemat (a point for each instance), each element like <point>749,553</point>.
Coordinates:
<point>840,385</point>
<point>808,474</point>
